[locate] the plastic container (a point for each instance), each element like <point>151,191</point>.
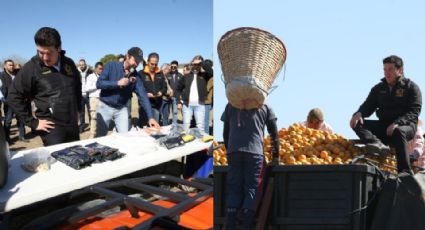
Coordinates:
<point>37,160</point>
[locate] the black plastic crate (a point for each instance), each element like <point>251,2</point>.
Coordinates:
<point>322,196</point>
<point>311,197</point>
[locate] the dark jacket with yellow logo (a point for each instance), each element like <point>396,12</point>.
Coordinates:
<point>153,86</point>
<point>56,94</point>
<point>402,104</point>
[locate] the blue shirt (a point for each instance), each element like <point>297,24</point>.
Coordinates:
<point>114,95</point>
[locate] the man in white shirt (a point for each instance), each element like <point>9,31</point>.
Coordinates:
<point>315,120</point>
<point>84,72</point>
<point>94,93</point>
<point>193,91</point>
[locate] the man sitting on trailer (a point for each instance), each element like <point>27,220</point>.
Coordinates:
<point>397,101</point>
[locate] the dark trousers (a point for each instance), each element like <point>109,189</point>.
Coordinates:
<point>85,103</point>
<point>165,111</point>
<point>143,117</point>
<point>8,116</point>
<point>60,134</point>
<point>244,179</point>
<point>372,131</point>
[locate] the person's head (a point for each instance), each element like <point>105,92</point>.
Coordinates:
<point>98,67</point>
<point>9,66</point>
<point>153,59</point>
<point>196,63</point>
<point>174,66</point>
<point>209,62</point>
<point>17,68</point>
<point>315,118</point>
<point>393,69</point>
<point>121,58</point>
<point>82,65</point>
<point>134,57</point>
<point>186,69</point>
<point>165,68</point>
<point>49,45</point>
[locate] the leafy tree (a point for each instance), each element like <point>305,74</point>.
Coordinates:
<point>109,57</point>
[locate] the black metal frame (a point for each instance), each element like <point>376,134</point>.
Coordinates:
<point>113,199</point>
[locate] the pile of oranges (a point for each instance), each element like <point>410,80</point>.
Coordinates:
<point>300,145</point>
<point>219,155</point>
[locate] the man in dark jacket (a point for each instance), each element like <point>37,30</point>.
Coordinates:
<point>173,78</point>
<point>7,78</point>
<point>52,80</point>
<point>155,86</point>
<point>397,101</point>
<point>192,89</point>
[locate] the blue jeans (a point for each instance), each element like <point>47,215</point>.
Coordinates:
<point>207,118</point>
<point>199,111</point>
<point>165,111</point>
<point>244,180</point>
<point>105,114</point>
<point>85,102</point>
<point>175,111</point>
<point>8,116</point>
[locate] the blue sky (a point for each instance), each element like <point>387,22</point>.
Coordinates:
<point>335,51</point>
<point>176,29</point>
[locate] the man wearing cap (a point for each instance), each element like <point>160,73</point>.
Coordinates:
<point>315,120</point>
<point>397,102</point>
<point>53,82</point>
<point>117,82</point>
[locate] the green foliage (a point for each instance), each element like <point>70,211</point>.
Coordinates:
<point>109,57</point>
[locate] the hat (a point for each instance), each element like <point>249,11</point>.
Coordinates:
<point>174,62</point>
<point>315,113</point>
<point>137,53</point>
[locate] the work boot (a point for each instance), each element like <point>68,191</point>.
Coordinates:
<point>378,147</point>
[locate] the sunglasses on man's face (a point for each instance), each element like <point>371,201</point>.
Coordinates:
<point>152,64</point>
<point>173,66</point>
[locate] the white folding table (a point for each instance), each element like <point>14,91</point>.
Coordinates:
<point>24,188</point>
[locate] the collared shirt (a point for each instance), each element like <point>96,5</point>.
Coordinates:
<point>117,97</point>
<point>193,95</point>
<point>91,85</point>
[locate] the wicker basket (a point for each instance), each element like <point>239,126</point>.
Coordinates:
<point>250,59</point>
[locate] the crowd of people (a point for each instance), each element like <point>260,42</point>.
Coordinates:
<point>53,96</point>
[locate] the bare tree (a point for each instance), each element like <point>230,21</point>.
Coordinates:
<point>18,59</point>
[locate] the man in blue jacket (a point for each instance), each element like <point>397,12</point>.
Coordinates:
<point>117,82</point>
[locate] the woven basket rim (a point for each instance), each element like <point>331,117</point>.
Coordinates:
<point>258,29</point>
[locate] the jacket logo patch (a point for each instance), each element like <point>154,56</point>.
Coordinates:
<point>68,70</point>
<point>399,93</point>
<point>45,70</point>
